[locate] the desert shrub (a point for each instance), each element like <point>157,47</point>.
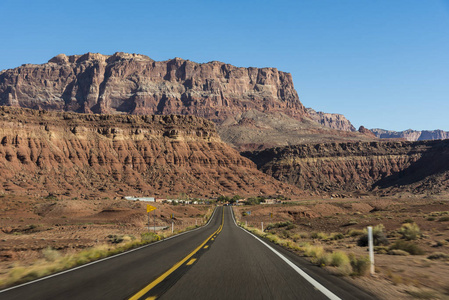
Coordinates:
<point>360,265</point>
<point>355,232</point>
<point>318,235</point>
<point>398,252</point>
<point>438,255</point>
<point>408,220</point>
<point>381,249</point>
<point>431,219</point>
<point>149,237</point>
<point>443,219</point>
<point>271,237</point>
<point>287,224</point>
<point>296,237</point>
<point>410,231</point>
<point>115,239</point>
<point>313,251</point>
<point>286,234</point>
<point>409,247</point>
<point>323,260</point>
<point>291,226</point>
<point>337,236</point>
<point>339,258</point>
<point>379,237</point>
<point>50,254</point>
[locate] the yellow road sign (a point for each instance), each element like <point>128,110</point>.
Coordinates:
<point>150,208</point>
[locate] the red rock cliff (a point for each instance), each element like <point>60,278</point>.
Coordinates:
<point>136,84</point>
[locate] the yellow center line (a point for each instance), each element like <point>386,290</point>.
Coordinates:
<point>176,266</point>
<point>191,261</point>
<point>207,246</point>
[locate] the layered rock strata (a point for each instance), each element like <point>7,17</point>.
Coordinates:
<point>45,152</point>
<point>390,167</point>
<point>136,84</point>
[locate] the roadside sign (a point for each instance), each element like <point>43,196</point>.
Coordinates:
<point>271,215</point>
<point>172,216</point>
<point>150,208</point>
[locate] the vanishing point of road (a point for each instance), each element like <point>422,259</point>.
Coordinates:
<point>217,261</point>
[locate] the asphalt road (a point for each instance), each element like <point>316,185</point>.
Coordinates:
<point>219,261</point>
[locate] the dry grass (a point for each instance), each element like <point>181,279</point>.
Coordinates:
<point>410,231</point>
<point>344,264</point>
<point>54,261</point>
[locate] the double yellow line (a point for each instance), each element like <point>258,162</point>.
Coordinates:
<point>177,265</point>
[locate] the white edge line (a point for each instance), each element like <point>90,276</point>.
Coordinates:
<point>306,276</point>
<point>106,258</point>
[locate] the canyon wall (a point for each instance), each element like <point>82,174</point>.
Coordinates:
<point>136,84</point>
<point>87,155</point>
<point>385,167</point>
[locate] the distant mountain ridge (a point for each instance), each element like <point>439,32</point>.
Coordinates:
<point>339,122</point>
<point>334,121</point>
<point>411,135</point>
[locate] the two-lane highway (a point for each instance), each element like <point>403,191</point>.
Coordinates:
<point>239,266</point>
<point>219,261</point>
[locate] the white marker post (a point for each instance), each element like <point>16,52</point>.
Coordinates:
<point>371,250</point>
<point>261,225</point>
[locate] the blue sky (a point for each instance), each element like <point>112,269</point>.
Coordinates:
<point>381,63</point>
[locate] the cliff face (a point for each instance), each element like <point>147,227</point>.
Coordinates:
<point>83,155</point>
<point>411,135</point>
<point>417,167</point>
<point>253,108</point>
<point>334,121</point>
<point>136,84</point>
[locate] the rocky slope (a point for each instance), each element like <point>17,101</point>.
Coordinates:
<point>411,135</point>
<point>253,107</point>
<point>387,166</point>
<point>254,130</point>
<point>87,155</point>
<point>334,121</point>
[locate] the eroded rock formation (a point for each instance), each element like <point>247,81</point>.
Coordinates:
<point>45,152</point>
<point>390,167</point>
